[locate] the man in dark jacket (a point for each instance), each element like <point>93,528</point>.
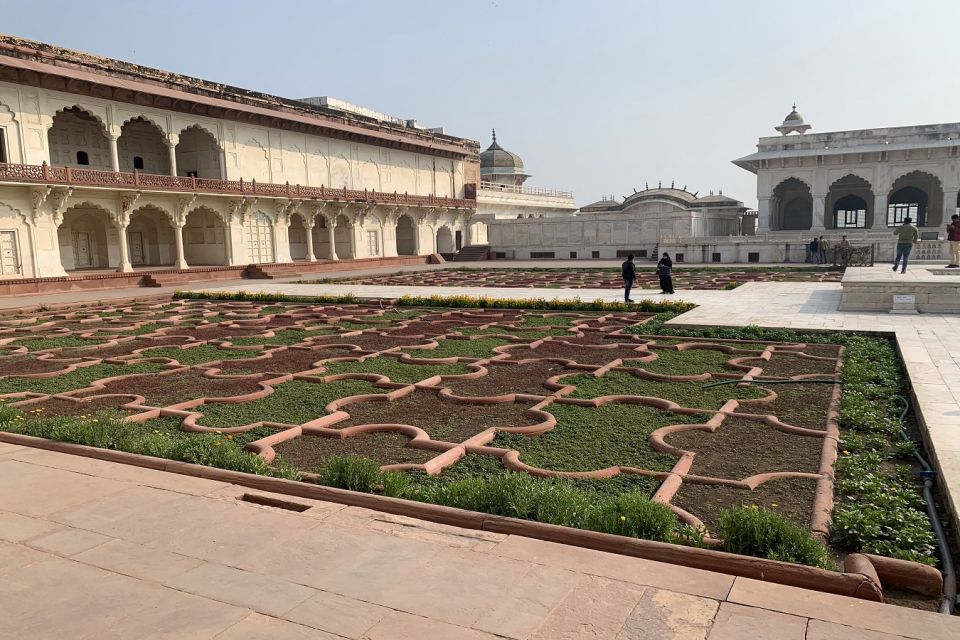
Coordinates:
<point>629,271</point>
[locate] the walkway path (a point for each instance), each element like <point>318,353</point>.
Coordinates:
<point>93,549</point>
<point>929,343</point>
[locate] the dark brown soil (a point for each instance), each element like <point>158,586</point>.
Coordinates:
<point>55,407</point>
<point>287,361</point>
<point>20,365</point>
<point>599,337</point>
<point>793,498</point>
<point>480,317</point>
<point>743,448</point>
<point>161,391</point>
<point>504,378</point>
<point>125,348</point>
<point>825,350</point>
<point>219,332</point>
<point>419,327</point>
<point>911,600</point>
<point>310,453</point>
<point>577,353</point>
<point>372,341</point>
<point>784,365</point>
<point>441,419</point>
<point>802,405</point>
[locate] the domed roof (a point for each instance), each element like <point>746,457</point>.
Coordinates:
<point>497,157</point>
<point>793,117</point>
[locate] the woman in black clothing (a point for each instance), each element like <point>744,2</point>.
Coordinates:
<point>664,269</point>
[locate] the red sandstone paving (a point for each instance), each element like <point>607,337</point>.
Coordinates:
<point>743,448</point>
<point>503,379</point>
<point>441,419</point>
<point>161,391</point>
<point>310,453</point>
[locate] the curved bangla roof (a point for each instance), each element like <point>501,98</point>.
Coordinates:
<point>679,196</point>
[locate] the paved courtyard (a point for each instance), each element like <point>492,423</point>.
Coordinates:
<point>94,549</point>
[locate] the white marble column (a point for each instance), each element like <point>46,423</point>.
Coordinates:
<point>763,215</point>
<point>125,266</point>
<point>114,154</point>
<point>819,211</point>
<point>388,233</point>
<point>172,150</point>
<point>309,227</point>
<point>949,205</point>
<point>879,211</point>
<point>332,238</point>
<point>178,242</point>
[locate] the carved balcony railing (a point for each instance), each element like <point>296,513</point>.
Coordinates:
<point>69,176</point>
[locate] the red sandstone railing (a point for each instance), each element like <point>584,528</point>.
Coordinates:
<point>46,174</point>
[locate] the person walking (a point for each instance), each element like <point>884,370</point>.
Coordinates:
<point>665,270</point>
<point>953,236</point>
<point>814,251</point>
<point>822,254</point>
<point>906,234</point>
<point>629,271</point>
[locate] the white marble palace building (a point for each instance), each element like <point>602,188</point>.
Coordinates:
<point>107,165</point>
<point>858,183</point>
<point>612,228</point>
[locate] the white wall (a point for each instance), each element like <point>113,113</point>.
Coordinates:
<point>248,152</point>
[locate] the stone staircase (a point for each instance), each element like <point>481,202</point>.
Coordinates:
<point>471,253</point>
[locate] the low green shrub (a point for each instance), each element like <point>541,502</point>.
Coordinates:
<point>355,473</point>
<point>396,484</point>
<point>766,534</point>
<point>636,516</point>
<point>161,438</point>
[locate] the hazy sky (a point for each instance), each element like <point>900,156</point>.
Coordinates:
<point>596,97</point>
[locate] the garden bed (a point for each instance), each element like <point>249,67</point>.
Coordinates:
<point>612,439</point>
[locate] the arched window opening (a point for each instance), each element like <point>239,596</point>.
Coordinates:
<point>83,158</point>
<point>138,163</point>
<point>909,202</point>
<point>850,212</point>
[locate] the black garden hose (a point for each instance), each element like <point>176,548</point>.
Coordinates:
<point>949,596</point>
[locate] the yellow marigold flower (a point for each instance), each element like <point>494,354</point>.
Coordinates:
<point>623,518</point>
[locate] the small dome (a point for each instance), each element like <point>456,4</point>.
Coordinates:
<point>497,157</point>
<point>793,118</point>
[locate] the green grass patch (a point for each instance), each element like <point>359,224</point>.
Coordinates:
<point>480,348</point>
<point>685,394</point>
<point>77,379</point>
<point>591,438</point>
<point>395,370</point>
<point>499,330</point>
<point>689,362</point>
<point>39,344</point>
<point>280,337</point>
<point>293,402</point>
<point>198,355</point>
<point>767,534</point>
